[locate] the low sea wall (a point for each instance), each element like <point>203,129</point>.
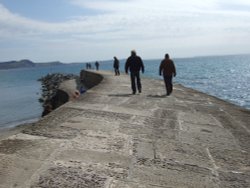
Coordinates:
<point>90,78</point>
<point>59,89</point>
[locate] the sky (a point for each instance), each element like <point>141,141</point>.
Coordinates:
<point>90,30</point>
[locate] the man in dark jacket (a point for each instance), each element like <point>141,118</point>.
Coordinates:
<point>134,64</point>
<point>167,67</point>
<point>97,65</point>
<point>116,66</point>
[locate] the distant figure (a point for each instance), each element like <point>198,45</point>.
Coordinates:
<point>116,66</point>
<point>88,66</point>
<point>167,67</point>
<point>134,64</point>
<point>97,65</point>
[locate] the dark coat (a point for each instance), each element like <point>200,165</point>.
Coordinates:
<point>134,64</point>
<point>116,64</point>
<point>167,67</point>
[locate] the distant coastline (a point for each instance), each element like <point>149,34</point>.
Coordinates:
<point>25,63</point>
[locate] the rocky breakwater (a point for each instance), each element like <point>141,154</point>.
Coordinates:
<point>57,89</point>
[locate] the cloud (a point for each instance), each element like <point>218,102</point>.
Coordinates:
<point>151,26</point>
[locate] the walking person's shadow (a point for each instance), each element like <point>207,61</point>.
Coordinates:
<point>157,96</point>
<point>120,95</point>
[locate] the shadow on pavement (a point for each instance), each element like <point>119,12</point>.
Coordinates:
<point>157,96</point>
<point>120,95</point>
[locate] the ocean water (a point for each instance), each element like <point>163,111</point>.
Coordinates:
<point>20,91</point>
<point>226,77</point>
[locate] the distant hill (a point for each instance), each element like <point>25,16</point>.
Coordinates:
<point>25,63</point>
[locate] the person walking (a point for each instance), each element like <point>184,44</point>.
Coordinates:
<point>116,66</point>
<point>97,65</point>
<point>134,64</point>
<point>167,67</point>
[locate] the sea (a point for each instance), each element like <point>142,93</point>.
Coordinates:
<point>225,77</point>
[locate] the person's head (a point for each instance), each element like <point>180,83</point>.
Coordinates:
<point>166,56</point>
<point>133,53</point>
<point>115,57</point>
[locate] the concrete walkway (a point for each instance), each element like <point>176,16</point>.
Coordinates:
<point>110,138</point>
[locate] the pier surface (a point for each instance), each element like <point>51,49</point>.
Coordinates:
<point>110,138</point>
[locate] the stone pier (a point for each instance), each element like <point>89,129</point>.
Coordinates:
<point>109,138</point>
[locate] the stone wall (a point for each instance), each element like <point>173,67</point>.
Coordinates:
<point>90,79</point>
<point>58,88</point>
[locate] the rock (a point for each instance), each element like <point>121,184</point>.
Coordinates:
<point>52,97</point>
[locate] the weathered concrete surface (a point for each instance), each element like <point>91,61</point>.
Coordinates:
<point>109,138</point>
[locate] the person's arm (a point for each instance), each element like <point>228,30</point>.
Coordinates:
<point>142,66</point>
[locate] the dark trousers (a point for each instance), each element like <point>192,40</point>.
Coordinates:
<point>168,84</point>
<point>117,72</point>
<point>135,76</point>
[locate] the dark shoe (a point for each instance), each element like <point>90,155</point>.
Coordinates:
<point>139,90</point>
<point>133,92</point>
